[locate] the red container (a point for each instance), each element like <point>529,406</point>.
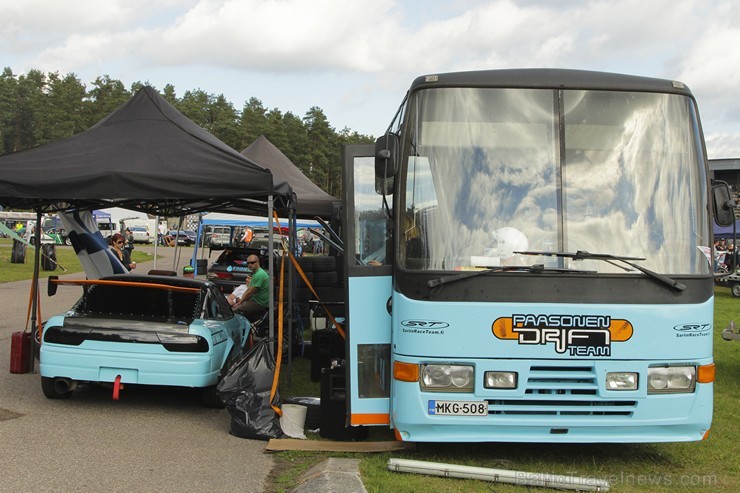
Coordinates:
<point>20,350</point>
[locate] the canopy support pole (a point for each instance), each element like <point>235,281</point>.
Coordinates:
<point>290,317</point>
<point>178,250</point>
<point>156,244</point>
<point>271,267</point>
<point>35,293</point>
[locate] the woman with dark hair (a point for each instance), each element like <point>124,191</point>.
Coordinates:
<point>117,242</point>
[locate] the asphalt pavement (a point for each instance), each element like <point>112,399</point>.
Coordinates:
<point>151,439</point>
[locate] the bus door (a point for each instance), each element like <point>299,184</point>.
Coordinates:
<point>368,271</point>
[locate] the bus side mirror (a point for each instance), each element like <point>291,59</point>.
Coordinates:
<point>386,156</point>
<point>723,204</point>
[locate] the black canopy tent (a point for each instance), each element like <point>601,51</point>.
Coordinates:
<point>310,200</point>
<point>307,201</point>
<point>145,156</point>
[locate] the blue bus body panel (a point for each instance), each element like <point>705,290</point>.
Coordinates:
<point>367,305</point>
<point>561,367</point>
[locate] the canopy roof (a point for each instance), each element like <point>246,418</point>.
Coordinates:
<point>145,156</point>
<point>310,200</point>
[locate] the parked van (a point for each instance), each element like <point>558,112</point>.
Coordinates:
<point>217,236</point>
<point>144,230</point>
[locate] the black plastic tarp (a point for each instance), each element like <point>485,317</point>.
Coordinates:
<point>146,156</point>
<point>246,392</point>
<point>310,200</point>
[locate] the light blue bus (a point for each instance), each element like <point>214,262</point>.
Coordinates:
<point>527,259</point>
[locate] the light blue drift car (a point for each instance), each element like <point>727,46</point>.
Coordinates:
<point>148,330</point>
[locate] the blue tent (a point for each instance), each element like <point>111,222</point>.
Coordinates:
<point>234,220</point>
<point>725,231</point>
<point>218,219</point>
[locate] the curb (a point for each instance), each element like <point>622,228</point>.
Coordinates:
<point>332,476</point>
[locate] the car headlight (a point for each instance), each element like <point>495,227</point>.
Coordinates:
<point>621,380</point>
<point>500,379</point>
<point>447,378</point>
<point>671,379</point>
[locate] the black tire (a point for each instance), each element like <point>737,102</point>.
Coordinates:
<point>302,295</point>
<point>304,312</point>
<point>301,282</point>
<point>305,263</point>
<point>209,398</point>
<point>324,279</point>
<point>49,387</point>
<point>736,290</point>
<point>323,264</point>
<point>209,395</point>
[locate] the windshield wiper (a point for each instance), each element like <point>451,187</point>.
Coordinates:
<point>611,259</point>
<point>433,283</point>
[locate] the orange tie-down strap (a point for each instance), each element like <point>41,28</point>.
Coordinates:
<point>279,356</point>
<point>150,285</point>
<point>308,283</point>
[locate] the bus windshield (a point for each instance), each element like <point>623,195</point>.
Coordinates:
<point>490,172</point>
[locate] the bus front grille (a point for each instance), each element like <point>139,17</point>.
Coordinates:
<point>561,391</point>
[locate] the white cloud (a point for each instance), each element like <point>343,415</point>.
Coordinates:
<point>375,48</point>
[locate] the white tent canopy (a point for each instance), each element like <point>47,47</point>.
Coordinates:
<point>221,219</point>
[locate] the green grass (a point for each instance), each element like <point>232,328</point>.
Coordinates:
<point>66,258</point>
<point>710,465</point>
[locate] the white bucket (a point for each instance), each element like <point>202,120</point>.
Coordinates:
<point>293,420</point>
<point>318,323</point>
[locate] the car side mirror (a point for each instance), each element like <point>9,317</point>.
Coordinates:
<point>723,204</point>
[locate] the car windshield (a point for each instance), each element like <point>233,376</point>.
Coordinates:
<point>234,258</point>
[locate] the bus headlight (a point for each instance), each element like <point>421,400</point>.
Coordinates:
<point>447,378</point>
<point>621,380</point>
<point>500,379</point>
<point>671,379</point>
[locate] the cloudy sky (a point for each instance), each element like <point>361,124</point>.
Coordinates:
<point>356,58</point>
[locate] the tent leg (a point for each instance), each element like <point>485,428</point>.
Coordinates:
<point>35,290</point>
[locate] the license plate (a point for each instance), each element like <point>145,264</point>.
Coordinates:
<point>458,408</point>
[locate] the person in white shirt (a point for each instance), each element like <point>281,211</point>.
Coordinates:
<point>236,295</point>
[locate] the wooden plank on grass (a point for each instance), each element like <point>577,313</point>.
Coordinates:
<point>277,445</point>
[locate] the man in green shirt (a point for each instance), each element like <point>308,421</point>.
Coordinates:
<point>256,299</point>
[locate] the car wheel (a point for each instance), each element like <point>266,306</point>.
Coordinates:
<point>56,388</point>
<point>209,398</point>
<point>209,395</point>
<point>736,290</point>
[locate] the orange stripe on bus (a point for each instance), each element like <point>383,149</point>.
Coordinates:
<point>370,419</point>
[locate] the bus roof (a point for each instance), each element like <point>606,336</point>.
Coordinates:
<point>550,78</point>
